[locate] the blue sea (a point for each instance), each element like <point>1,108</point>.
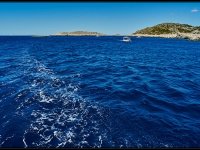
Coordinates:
<point>99,92</point>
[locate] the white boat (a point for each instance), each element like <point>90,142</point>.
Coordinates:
<point>126,39</point>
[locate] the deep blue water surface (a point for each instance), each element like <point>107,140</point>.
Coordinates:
<point>99,92</point>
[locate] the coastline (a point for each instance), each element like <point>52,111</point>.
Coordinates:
<point>189,36</point>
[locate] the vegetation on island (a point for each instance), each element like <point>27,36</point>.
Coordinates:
<point>169,28</point>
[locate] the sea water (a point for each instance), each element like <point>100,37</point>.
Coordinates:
<point>99,92</point>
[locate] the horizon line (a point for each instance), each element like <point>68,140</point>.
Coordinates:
<point>90,31</point>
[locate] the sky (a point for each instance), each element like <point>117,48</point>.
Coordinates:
<point>109,18</point>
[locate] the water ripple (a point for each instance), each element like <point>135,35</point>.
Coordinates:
<point>99,92</point>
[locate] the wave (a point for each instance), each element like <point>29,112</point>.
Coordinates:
<point>59,116</point>
<point>56,92</point>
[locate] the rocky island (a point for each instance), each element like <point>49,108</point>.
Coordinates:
<point>79,33</point>
<point>171,30</point>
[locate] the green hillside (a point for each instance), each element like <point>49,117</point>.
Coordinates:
<point>169,28</point>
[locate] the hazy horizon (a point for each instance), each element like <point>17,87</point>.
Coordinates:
<point>108,18</point>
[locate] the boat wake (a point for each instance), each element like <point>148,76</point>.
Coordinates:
<point>59,116</point>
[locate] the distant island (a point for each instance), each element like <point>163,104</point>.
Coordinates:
<point>84,33</point>
<point>164,30</point>
<point>79,33</point>
<point>171,30</point>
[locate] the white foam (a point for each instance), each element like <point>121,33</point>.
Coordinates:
<point>68,119</point>
<point>7,139</point>
<point>25,145</point>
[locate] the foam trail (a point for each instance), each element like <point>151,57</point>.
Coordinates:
<point>61,117</point>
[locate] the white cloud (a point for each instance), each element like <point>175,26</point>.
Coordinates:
<point>195,10</point>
